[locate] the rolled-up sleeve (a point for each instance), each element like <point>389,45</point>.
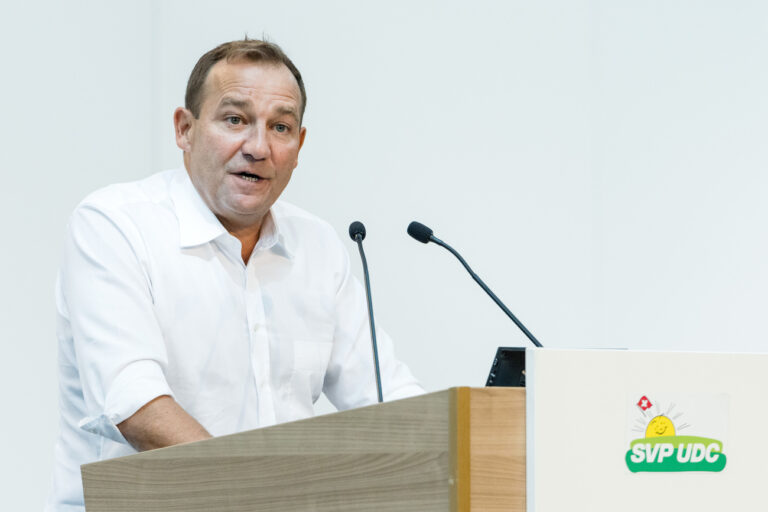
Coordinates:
<point>118,344</point>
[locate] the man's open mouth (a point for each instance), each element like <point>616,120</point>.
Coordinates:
<point>248,176</point>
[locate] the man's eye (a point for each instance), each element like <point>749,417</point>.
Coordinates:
<point>234,120</point>
<point>281,128</point>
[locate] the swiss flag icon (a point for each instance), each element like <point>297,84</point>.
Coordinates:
<point>644,403</point>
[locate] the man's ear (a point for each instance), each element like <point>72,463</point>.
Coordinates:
<point>302,134</point>
<point>183,122</point>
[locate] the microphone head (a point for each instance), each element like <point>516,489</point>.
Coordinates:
<point>419,231</point>
<point>355,229</point>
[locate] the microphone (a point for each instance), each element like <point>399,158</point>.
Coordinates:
<point>424,235</point>
<point>356,229</point>
<point>420,232</point>
<point>357,234</point>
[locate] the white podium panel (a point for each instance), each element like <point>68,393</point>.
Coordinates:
<point>646,431</point>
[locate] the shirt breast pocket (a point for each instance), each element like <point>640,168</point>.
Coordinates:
<point>310,361</point>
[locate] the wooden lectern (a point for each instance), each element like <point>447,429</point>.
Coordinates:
<point>593,431</point>
<point>455,450</point>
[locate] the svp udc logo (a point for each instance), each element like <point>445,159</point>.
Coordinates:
<point>673,434</point>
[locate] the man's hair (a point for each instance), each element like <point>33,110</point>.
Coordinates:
<point>252,50</point>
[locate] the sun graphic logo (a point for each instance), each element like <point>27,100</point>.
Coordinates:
<point>662,449</point>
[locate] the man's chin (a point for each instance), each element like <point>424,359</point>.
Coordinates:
<point>243,215</point>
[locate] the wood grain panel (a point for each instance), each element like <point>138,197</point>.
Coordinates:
<point>394,456</point>
<point>461,449</point>
<point>497,452</point>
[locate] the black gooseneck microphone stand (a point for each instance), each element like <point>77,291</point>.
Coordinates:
<point>357,234</point>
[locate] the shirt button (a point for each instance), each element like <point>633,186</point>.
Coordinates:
<point>256,328</point>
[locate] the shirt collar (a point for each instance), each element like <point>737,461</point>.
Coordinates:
<point>198,225</point>
<point>271,236</point>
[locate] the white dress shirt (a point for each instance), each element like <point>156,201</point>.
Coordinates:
<point>153,298</point>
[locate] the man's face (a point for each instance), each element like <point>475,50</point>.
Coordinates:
<point>241,150</point>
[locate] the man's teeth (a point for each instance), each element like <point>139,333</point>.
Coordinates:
<point>249,178</point>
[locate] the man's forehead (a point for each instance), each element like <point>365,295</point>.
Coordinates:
<point>237,78</point>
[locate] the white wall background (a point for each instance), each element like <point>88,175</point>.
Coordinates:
<point>601,164</point>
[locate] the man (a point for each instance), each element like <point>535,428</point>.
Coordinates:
<point>193,303</point>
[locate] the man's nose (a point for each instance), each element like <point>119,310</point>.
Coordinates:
<point>256,144</point>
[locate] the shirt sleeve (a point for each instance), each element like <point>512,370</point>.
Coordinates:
<point>118,344</point>
<point>351,380</point>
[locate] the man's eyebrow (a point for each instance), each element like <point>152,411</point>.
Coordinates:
<point>284,110</point>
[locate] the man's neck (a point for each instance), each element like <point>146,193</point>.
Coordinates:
<point>248,236</point>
